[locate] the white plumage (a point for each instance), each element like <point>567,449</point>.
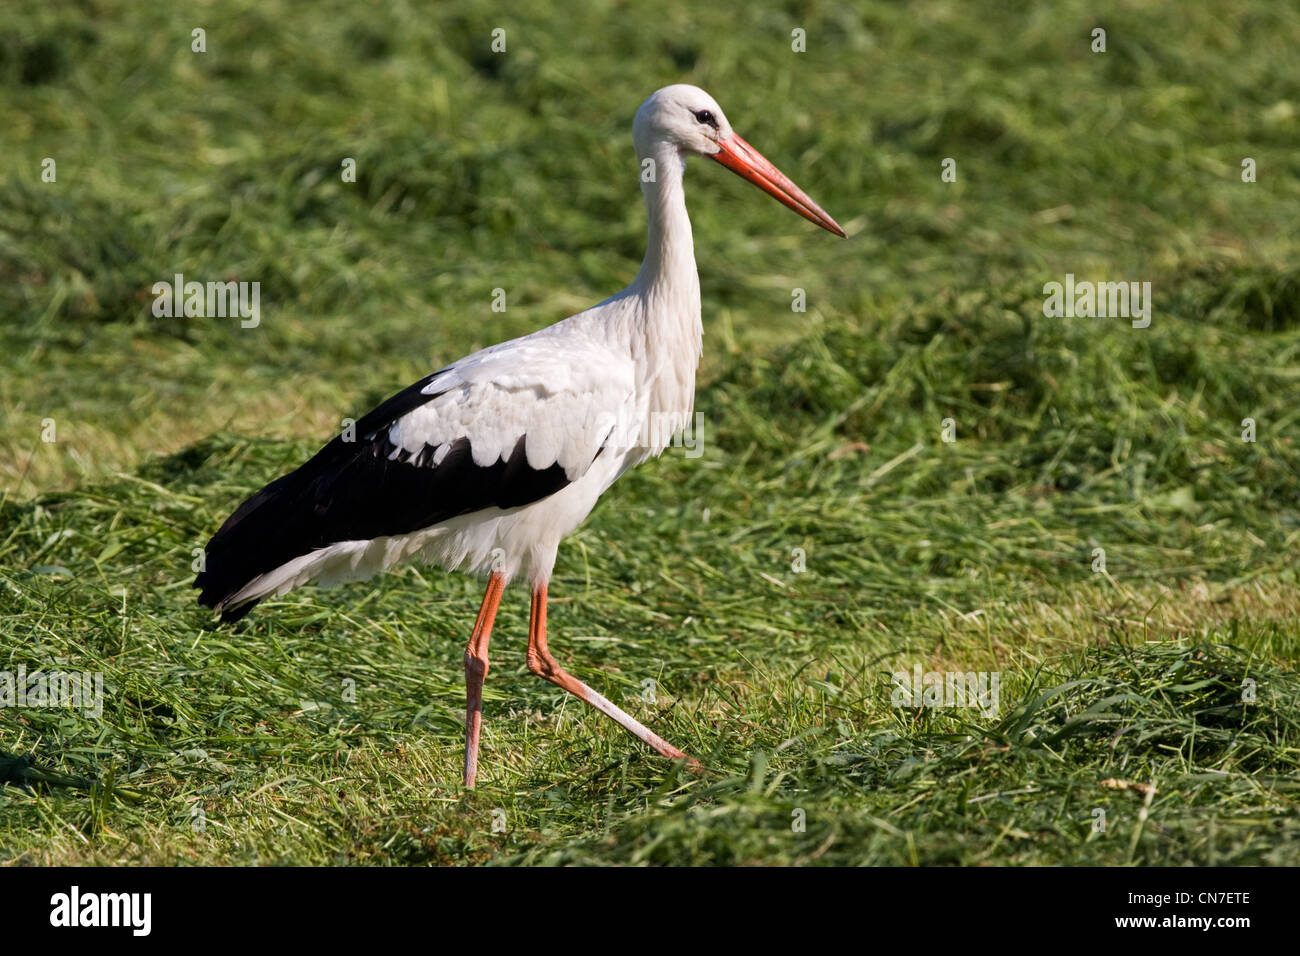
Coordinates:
<point>570,394</point>
<point>487,464</point>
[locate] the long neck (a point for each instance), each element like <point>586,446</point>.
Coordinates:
<point>668,342</point>
<point>670,250</point>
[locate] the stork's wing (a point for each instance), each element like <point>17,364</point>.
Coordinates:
<point>500,429</point>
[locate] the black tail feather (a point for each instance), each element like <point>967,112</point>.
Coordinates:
<point>359,490</point>
<point>245,546</point>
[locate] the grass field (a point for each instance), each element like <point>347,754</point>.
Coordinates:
<point>749,604</point>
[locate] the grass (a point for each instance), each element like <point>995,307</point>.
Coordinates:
<point>1157,695</point>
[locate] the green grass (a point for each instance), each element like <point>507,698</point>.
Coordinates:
<point>1121,691</point>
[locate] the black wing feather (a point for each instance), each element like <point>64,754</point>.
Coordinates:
<point>355,491</point>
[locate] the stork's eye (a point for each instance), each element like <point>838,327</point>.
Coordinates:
<point>705,117</point>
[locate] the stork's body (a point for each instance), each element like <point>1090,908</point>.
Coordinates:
<point>487,464</point>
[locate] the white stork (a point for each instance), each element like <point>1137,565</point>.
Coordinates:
<point>487,464</point>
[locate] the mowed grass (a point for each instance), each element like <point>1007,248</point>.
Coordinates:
<point>1149,709</point>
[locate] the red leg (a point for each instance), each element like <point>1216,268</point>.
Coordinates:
<point>541,663</point>
<point>476,668</point>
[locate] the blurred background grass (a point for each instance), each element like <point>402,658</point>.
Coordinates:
<point>476,171</point>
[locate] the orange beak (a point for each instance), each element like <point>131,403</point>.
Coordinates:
<point>747,162</point>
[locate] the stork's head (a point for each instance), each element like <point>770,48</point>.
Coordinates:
<point>682,115</point>
<point>691,121</point>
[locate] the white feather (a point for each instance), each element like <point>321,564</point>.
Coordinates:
<point>625,365</point>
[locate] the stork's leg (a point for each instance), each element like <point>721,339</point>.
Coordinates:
<point>541,663</point>
<point>476,668</point>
